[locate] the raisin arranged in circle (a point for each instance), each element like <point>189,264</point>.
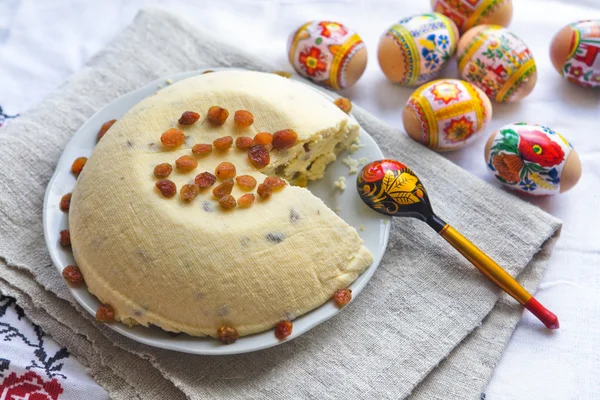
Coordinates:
<point>225,170</point>
<point>205,180</point>
<point>342,297</point>
<point>224,188</point>
<point>186,163</point>
<point>227,202</point>
<point>105,127</point>
<point>264,191</point>
<point>217,115</point>
<point>105,313</point>
<point>274,182</point>
<point>188,118</point>
<point>264,138</point>
<point>343,104</point>
<point>72,274</point>
<point>246,182</point>
<point>244,142</point>
<point>223,143</point>
<point>78,165</point>
<point>172,138</point>
<point>283,329</point>
<point>283,74</point>
<point>65,238</point>
<point>227,334</point>
<point>201,149</point>
<point>167,187</point>
<point>246,200</point>
<point>259,156</point>
<point>189,192</point>
<point>65,202</point>
<point>162,171</point>
<point>284,139</point>
<point>243,118</point>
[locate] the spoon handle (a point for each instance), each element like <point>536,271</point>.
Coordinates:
<point>499,276</point>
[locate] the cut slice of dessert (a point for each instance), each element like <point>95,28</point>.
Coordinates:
<point>195,262</point>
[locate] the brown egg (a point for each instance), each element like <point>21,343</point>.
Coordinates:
<point>532,159</point>
<point>575,53</point>
<point>469,13</point>
<point>495,60</point>
<point>415,49</point>
<point>327,53</point>
<point>446,114</point>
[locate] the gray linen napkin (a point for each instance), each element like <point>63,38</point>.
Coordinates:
<point>422,326</point>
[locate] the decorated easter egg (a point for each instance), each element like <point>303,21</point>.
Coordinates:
<point>327,53</point>
<point>468,13</point>
<point>446,114</point>
<point>575,53</point>
<point>533,159</point>
<point>496,61</point>
<point>415,49</point>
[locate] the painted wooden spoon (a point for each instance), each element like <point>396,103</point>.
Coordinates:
<point>391,188</point>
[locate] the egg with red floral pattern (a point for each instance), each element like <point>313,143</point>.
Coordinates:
<point>327,53</point>
<point>446,114</point>
<point>575,53</point>
<point>532,159</point>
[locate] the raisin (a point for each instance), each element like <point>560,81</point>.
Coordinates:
<point>105,127</point>
<point>105,313</point>
<point>225,170</point>
<point>167,187</point>
<point>264,191</point>
<point>227,334</point>
<point>306,147</point>
<point>246,200</point>
<point>223,143</point>
<point>284,74</point>
<point>65,202</point>
<point>172,138</point>
<point>78,165</point>
<point>263,138</point>
<point>284,139</point>
<point>283,329</point>
<point>72,274</point>
<point>162,171</point>
<point>243,118</point>
<point>201,149</point>
<point>189,192</point>
<point>247,182</point>
<point>186,163</point>
<point>217,115</point>
<point>205,179</point>
<point>259,156</point>
<point>244,142</point>
<point>344,104</point>
<point>65,238</point>
<point>223,189</point>
<point>275,182</point>
<point>342,297</point>
<point>188,118</point>
<point>227,202</point>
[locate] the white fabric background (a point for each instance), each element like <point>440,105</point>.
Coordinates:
<point>43,42</point>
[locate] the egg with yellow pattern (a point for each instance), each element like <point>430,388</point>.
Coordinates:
<point>446,114</point>
<point>469,13</point>
<point>328,54</point>
<point>414,50</point>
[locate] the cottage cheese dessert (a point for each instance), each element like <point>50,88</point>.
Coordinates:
<point>195,266</point>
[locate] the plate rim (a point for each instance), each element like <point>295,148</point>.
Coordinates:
<point>128,332</point>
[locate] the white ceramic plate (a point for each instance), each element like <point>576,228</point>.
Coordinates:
<point>371,226</point>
